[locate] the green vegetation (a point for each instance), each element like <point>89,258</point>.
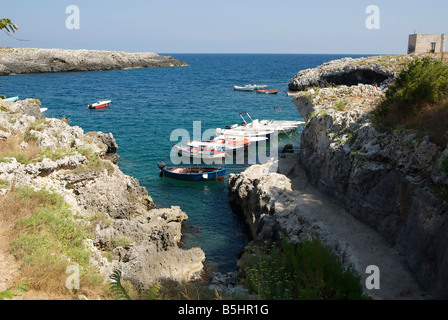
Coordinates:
<point>340,105</point>
<point>95,164</point>
<point>8,25</point>
<point>418,101</point>
<point>306,271</point>
<point>120,293</point>
<point>55,154</point>
<point>14,291</point>
<point>46,239</point>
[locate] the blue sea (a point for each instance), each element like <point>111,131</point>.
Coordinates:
<point>148,104</point>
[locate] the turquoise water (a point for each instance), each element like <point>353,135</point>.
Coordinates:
<point>148,104</point>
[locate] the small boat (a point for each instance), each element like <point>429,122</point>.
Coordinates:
<point>250,87</point>
<point>292,94</point>
<point>201,153</point>
<point>99,104</point>
<point>192,173</point>
<point>12,99</point>
<point>271,91</point>
<point>43,109</point>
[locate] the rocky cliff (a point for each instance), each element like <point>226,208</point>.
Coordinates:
<point>82,167</point>
<point>388,181</point>
<point>349,71</point>
<point>394,184</point>
<point>30,60</point>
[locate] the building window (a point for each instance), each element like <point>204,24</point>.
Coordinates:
<point>433,47</point>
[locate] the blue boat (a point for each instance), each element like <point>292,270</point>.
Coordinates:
<point>192,173</point>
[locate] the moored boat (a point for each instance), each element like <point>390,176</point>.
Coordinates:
<point>192,173</point>
<point>250,87</point>
<point>270,91</point>
<point>244,88</point>
<point>100,104</point>
<point>206,153</point>
<point>12,99</point>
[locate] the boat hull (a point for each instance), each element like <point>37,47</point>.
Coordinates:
<point>99,105</point>
<point>217,174</point>
<point>12,99</point>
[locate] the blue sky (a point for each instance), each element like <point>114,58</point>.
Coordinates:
<point>225,26</point>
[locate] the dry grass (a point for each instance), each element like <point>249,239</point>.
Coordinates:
<point>431,120</point>
<point>14,206</point>
<point>42,234</point>
<point>10,148</point>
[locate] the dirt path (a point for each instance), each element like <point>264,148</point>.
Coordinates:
<point>8,264</point>
<point>365,246</point>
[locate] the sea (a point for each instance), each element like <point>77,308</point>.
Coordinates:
<point>148,105</point>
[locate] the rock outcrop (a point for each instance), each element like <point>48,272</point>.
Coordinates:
<point>82,167</point>
<point>349,71</point>
<point>388,181</point>
<point>275,207</point>
<point>31,60</point>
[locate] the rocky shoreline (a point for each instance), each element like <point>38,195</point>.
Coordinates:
<point>31,60</point>
<point>384,182</point>
<point>83,169</point>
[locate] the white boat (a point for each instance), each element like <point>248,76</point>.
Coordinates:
<point>208,153</point>
<point>279,126</point>
<point>253,134</point>
<point>250,87</point>
<point>99,104</point>
<point>244,88</point>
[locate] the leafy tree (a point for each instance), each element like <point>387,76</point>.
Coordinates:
<point>7,25</point>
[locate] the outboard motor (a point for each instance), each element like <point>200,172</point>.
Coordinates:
<point>161,165</point>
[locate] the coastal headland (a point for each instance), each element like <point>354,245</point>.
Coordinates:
<point>126,231</point>
<point>33,60</point>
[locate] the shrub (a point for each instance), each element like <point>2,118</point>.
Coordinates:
<point>306,271</point>
<point>417,100</point>
<point>424,82</point>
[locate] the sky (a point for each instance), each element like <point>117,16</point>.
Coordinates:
<point>225,26</point>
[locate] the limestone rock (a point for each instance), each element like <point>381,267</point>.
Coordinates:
<point>31,60</point>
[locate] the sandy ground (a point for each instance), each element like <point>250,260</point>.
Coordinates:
<point>366,245</point>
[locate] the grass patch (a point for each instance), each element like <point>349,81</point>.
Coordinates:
<point>10,148</point>
<point>95,164</point>
<point>418,101</point>
<point>46,239</point>
<point>55,154</point>
<point>340,105</point>
<point>303,272</point>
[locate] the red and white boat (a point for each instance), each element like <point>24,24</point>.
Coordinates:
<point>271,91</point>
<point>99,104</point>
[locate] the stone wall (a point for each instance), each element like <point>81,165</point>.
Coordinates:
<point>421,43</point>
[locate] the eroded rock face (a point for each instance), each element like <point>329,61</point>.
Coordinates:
<point>274,210</point>
<point>30,60</point>
<point>384,180</point>
<point>348,71</point>
<point>82,169</point>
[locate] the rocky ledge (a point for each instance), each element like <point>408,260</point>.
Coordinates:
<point>30,60</point>
<point>82,168</point>
<point>391,182</point>
<point>349,71</point>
